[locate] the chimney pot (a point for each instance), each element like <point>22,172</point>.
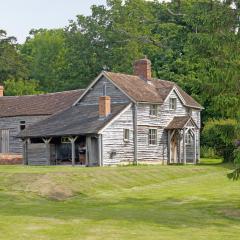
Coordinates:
<point>104,106</point>
<point>142,68</point>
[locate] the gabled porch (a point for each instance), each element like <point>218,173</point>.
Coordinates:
<point>183,141</point>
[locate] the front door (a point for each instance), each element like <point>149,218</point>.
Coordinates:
<point>174,149</point>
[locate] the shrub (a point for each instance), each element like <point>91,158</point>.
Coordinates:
<point>221,135</point>
<point>208,152</point>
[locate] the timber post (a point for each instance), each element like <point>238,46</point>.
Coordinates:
<point>25,151</point>
<point>184,147</point>
<point>72,140</point>
<point>195,147</point>
<point>47,144</point>
<point>135,132</point>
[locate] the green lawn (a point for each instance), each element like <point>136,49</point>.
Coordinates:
<point>144,202</point>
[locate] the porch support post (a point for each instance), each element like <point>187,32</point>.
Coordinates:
<point>47,144</point>
<point>135,133</point>
<point>184,146</point>
<point>169,146</point>
<point>195,147</point>
<point>72,140</point>
<point>100,150</point>
<point>180,149</point>
<point>25,151</point>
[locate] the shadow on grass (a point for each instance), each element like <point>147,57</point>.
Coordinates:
<point>169,212</point>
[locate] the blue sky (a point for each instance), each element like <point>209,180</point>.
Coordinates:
<point>18,17</point>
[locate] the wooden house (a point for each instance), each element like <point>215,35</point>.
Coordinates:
<point>120,119</point>
<point>19,112</point>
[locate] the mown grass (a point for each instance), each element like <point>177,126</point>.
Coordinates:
<point>143,202</point>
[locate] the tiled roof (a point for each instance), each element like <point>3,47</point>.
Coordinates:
<point>179,122</point>
<point>154,90</point>
<point>77,120</point>
<point>42,104</point>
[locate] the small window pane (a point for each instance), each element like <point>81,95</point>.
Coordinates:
<point>188,138</point>
<point>152,137</point>
<point>22,125</point>
<point>153,110</point>
<point>173,103</point>
<point>126,134</point>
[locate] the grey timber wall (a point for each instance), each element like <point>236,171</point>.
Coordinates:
<point>115,150</point>
<point>159,152</point>
<point>13,124</point>
<point>37,154</point>
<point>97,90</point>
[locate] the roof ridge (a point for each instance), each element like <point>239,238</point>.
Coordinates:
<point>44,94</point>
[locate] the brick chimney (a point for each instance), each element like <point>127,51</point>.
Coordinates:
<point>142,68</point>
<point>1,91</point>
<point>104,106</point>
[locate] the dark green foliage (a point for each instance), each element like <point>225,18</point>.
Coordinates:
<point>221,135</point>
<point>21,87</point>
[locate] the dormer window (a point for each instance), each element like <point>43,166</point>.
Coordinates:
<point>22,125</point>
<point>153,110</point>
<point>173,104</point>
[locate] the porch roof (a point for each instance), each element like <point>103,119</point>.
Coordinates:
<point>77,120</point>
<point>180,122</point>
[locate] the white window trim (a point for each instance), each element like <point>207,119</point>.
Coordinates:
<point>150,110</point>
<point>149,137</point>
<point>170,103</point>
<point>21,124</point>
<point>126,140</point>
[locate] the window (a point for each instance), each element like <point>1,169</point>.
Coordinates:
<point>153,110</point>
<point>152,137</point>
<point>126,135</point>
<point>173,103</point>
<point>189,112</point>
<point>22,125</point>
<point>188,138</point>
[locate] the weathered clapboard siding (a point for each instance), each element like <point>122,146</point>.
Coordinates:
<point>159,152</point>
<point>151,153</point>
<point>112,140</point>
<point>13,124</point>
<point>196,115</point>
<point>92,97</point>
<point>37,154</point>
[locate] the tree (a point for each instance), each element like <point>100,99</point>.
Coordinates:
<point>44,52</point>
<point>21,87</point>
<point>11,63</point>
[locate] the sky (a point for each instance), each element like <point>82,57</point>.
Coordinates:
<point>18,17</point>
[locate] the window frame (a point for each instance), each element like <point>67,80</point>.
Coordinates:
<point>153,110</point>
<point>188,139</point>
<point>126,130</point>
<point>150,138</point>
<point>22,123</point>
<point>171,101</point>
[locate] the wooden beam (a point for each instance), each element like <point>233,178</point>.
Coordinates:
<point>195,148</point>
<point>73,140</point>
<point>184,147</point>
<point>135,133</point>
<point>169,146</point>
<point>25,151</point>
<point>47,144</point>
